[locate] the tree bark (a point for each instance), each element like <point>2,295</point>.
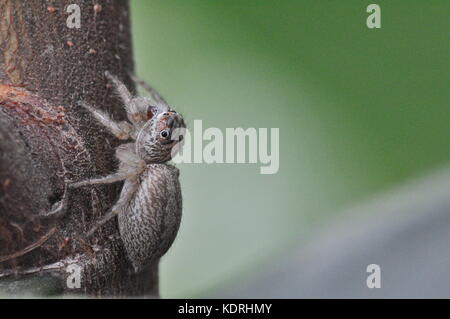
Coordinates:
<point>46,139</point>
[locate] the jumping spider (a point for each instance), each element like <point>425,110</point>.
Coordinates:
<point>149,206</point>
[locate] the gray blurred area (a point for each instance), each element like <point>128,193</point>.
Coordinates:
<point>360,111</point>
<point>406,232</point>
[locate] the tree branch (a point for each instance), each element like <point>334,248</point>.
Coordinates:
<point>46,139</point>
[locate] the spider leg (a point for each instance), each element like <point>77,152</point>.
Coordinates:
<point>121,89</point>
<point>58,266</point>
<point>61,207</point>
<point>130,106</point>
<point>29,248</point>
<point>128,191</point>
<point>130,162</point>
<point>131,166</point>
<point>146,108</point>
<point>113,178</point>
<point>162,103</point>
<point>121,130</point>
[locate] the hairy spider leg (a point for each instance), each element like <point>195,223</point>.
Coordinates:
<point>121,130</point>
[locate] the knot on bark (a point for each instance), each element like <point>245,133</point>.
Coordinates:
<point>38,148</point>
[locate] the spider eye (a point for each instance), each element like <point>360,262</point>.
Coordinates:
<point>180,138</point>
<point>164,133</point>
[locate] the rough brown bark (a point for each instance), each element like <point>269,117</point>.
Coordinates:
<point>46,139</point>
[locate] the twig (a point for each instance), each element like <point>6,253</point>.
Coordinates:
<point>29,248</point>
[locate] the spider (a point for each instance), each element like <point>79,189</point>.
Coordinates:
<point>150,204</point>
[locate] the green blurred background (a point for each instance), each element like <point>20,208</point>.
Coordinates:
<point>359,111</point>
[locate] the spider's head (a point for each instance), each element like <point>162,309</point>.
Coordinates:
<point>160,138</point>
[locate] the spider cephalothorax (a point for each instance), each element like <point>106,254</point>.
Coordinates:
<point>157,141</point>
